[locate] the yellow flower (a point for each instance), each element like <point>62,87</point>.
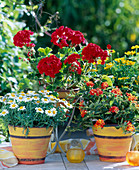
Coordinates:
<point>99,61</point>
<point>128,62</point>
<point>130,52</point>
<point>109,65</point>
<point>94,70</point>
<point>132,37</point>
<point>111,51</point>
<point>123,78</point>
<point>134,47</point>
<point>119,59</point>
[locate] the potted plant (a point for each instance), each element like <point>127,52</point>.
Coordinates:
<point>31,118</point>
<point>113,115</point>
<point>62,68</point>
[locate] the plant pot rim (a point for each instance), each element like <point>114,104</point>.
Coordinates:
<point>30,127</point>
<point>67,90</point>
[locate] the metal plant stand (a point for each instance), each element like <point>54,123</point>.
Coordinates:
<point>57,139</point>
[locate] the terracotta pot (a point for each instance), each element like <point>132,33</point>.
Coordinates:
<point>30,149</point>
<point>112,143</point>
<point>64,93</point>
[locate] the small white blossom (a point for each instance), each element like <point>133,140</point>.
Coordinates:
<point>54,111</point>
<point>35,98</point>
<point>28,99</point>
<point>13,106</point>
<point>40,110</point>
<point>10,102</point>
<point>21,108</point>
<point>4,112</point>
<point>20,99</point>
<point>44,100</point>
<point>12,95</point>
<point>49,112</point>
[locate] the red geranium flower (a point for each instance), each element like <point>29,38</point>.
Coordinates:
<point>131,97</point>
<point>99,123</point>
<point>114,109</point>
<point>92,51</point>
<point>104,85</point>
<point>90,83</point>
<point>63,35</point>
<point>72,58</point>
<point>22,38</point>
<point>75,67</point>
<point>109,46</point>
<point>49,65</point>
<point>77,38</point>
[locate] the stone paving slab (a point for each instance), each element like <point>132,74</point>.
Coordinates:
<point>58,161</point>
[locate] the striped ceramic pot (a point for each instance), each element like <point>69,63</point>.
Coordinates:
<point>112,143</point>
<point>30,149</point>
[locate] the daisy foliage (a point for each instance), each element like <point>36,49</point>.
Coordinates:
<point>33,109</point>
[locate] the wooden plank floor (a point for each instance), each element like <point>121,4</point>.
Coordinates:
<point>58,161</point>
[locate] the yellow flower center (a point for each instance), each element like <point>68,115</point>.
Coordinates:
<point>3,112</point>
<point>20,98</point>
<point>39,109</point>
<point>42,91</point>
<point>45,99</point>
<point>35,97</point>
<point>10,101</point>
<point>38,101</point>
<point>54,112</point>
<point>52,99</point>
<point>49,111</point>
<point>4,99</point>
<point>13,105</point>
<point>13,95</point>
<point>21,107</point>
<point>68,104</point>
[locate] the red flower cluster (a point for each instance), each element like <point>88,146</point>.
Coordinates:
<point>114,109</point>
<point>72,58</point>
<point>90,83</point>
<point>99,123</point>
<point>117,91</point>
<point>104,85</point>
<point>96,92</point>
<point>83,112</point>
<point>131,97</point>
<point>23,38</point>
<point>49,65</point>
<point>92,51</point>
<point>109,46</point>
<point>63,35</point>
<point>130,127</point>
<point>75,67</point>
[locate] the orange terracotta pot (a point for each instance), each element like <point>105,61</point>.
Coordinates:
<point>62,94</point>
<point>30,149</point>
<point>112,143</point>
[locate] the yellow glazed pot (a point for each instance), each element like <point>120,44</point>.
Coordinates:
<point>30,149</point>
<point>112,143</point>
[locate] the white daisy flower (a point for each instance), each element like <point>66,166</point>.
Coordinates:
<point>28,99</point>
<point>49,112</point>
<point>4,112</point>
<point>68,105</point>
<point>23,94</point>
<point>37,102</point>
<point>20,98</point>
<point>42,91</point>
<point>12,95</point>
<point>52,99</point>
<point>3,100</point>
<point>21,108</point>
<point>35,98</point>
<point>54,111</point>
<point>13,106</point>
<point>10,102</point>
<point>44,100</point>
<point>40,110</point>
<point>48,91</point>
<point>31,92</point>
